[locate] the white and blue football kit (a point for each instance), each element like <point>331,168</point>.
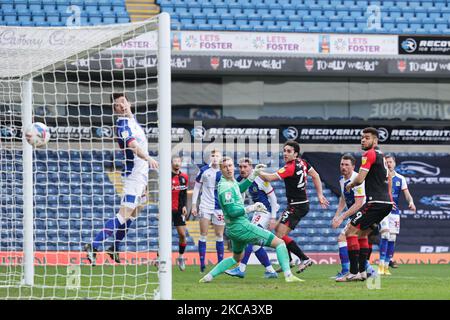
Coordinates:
<point>349,196</point>
<point>262,191</point>
<point>209,207</point>
<point>392,221</point>
<point>135,171</point>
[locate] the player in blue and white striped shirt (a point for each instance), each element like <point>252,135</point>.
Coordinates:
<point>206,185</point>
<point>133,141</point>
<point>390,225</point>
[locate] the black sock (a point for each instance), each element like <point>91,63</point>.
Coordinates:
<point>363,253</point>
<point>353,256</point>
<point>289,253</point>
<point>295,249</point>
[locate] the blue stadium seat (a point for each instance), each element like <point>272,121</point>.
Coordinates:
<point>421,13</point>
<point>408,13</point>
<point>21,6</point>
<point>262,9</point>
<point>241,19</point>
<point>48,5</point>
<point>208,8</point>
<point>234,8</point>
<point>415,23</point>
<point>288,9</point>
<point>322,22</point>
<point>275,9</point>
<point>395,12</point>
<point>308,22</point>
<point>109,18</point>
<point>254,20</point>
<point>39,18</point>
<point>7,6</point>
<point>227,19</point>
<point>91,7</point>
<point>105,5</point>
<point>79,3</point>
<point>221,8</point>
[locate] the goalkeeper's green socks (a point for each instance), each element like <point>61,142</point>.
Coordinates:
<point>283,259</point>
<point>222,266</point>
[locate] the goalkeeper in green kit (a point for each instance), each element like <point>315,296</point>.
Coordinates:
<point>239,229</point>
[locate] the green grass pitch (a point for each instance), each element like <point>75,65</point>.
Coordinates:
<point>407,282</point>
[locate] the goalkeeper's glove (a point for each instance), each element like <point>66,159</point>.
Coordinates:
<point>258,207</point>
<point>256,171</point>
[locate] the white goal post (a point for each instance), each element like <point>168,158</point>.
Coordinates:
<point>55,198</point>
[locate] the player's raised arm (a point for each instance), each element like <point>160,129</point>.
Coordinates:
<point>134,146</point>
<point>324,203</point>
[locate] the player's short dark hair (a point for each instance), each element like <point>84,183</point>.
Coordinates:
<point>348,156</point>
<point>175,156</point>
<point>293,144</point>
<point>117,95</point>
<point>372,131</point>
<point>246,160</point>
<point>390,156</point>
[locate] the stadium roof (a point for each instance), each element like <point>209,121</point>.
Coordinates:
<point>25,51</point>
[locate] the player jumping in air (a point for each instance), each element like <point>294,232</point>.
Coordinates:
<point>205,183</point>
<point>239,229</point>
<point>179,210</point>
<point>390,226</point>
<point>133,141</point>
<point>378,204</point>
<point>295,174</point>
<point>263,192</point>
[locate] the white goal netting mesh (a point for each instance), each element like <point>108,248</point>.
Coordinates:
<point>77,183</point>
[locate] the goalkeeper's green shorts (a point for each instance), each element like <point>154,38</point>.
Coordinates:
<point>243,234</point>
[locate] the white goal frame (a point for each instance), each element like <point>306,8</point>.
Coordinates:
<point>165,194</point>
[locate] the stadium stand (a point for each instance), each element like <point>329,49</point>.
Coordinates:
<point>42,13</point>
<point>341,16</point>
<point>331,16</point>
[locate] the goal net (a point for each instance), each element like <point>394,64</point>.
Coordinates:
<point>56,198</point>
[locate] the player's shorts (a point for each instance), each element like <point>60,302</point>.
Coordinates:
<point>394,223</point>
<point>178,219</point>
<point>370,215</point>
<point>216,216</point>
<point>248,233</point>
<point>261,219</point>
<point>293,214</point>
<point>391,223</point>
<point>134,192</point>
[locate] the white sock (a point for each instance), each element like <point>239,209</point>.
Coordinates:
<point>270,269</point>
<point>287,273</point>
<point>120,218</point>
<point>242,267</point>
<point>208,277</point>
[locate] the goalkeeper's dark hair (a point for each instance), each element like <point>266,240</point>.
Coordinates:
<point>372,131</point>
<point>348,156</point>
<point>293,144</point>
<point>117,95</point>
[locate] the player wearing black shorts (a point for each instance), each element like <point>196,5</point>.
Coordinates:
<point>179,210</point>
<point>294,174</point>
<point>378,204</point>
